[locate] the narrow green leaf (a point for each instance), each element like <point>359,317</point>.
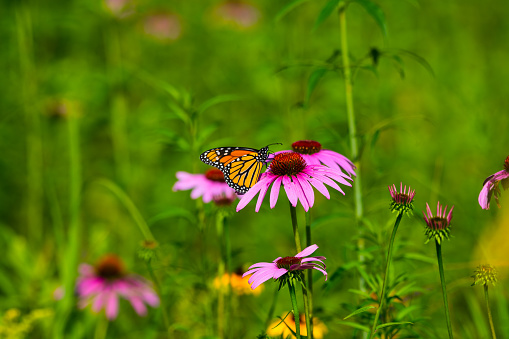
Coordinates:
<point>419,59</point>
<point>360,310</point>
<point>376,13</point>
<point>420,257</point>
<point>218,100</point>
<point>327,10</point>
<point>354,325</point>
<point>288,8</point>
<point>313,80</point>
<point>179,112</point>
<point>393,324</point>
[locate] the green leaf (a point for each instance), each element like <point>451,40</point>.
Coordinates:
<point>376,12</point>
<point>218,100</point>
<point>179,112</point>
<point>354,325</point>
<point>420,257</point>
<point>327,10</point>
<point>288,8</point>
<point>360,310</point>
<point>419,59</point>
<point>363,294</point>
<point>313,80</point>
<point>393,324</point>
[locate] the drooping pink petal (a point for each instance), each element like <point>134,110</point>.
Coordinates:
<point>246,198</point>
<point>262,264</point>
<point>263,191</point>
<point>90,286</point>
<point>300,193</point>
<point>99,301</point>
<point>150,297</point>
<point>274,192</point>
<point>111,305</point>
<point>304,260</point>
<point>280,272</point>
<point>138,305</point>
<point>303,180</point>
<point>484,200</point>
<point>307,251</point>
<point>290,190</point>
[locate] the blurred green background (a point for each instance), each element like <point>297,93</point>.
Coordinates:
<point>132,93</point>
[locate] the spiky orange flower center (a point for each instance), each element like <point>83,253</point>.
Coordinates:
<point>306,146</point>
<point>288,163</point>
<point>288,262</point>
<point>110,267</point>
<point>214,175</point>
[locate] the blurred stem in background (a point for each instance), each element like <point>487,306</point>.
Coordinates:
<point>444,289</point>
<point>352,131</point>
<point>118,103</point>
<point>486,296</point>
<point>34,155</point>
<point>309,324</point>
<point>224,308</point>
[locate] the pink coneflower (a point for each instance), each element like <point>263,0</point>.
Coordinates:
<point>163,26</point>
<point>263,271</point>
<point>211,186</point>
<point>297,177</point>
<point>238,14</point>
<point>490,186</point>
<point>437,227</point>
<point>402,200</point>
<point>102,285</point>
<point>313,153</point>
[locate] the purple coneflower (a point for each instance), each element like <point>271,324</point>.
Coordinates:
<point>211,186</point>
<point>402,201</point>
<point>263,271</point>
<point>437,227</point>
<point>102,285</point>
<point>490,186</point>
<point>313,154</point>
<point>297,177</point>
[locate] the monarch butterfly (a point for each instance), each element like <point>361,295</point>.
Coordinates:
<point>241,166</point>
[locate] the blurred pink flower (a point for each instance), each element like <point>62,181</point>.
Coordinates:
<point>297,177</point>
<point>119,8</point>
<point>237,13</point>
<point>210,185</point>
<point>490,186</point>
<point>263,271</point>
<point>103,284</point>
<point>313,153</point>
<point>163,26</point>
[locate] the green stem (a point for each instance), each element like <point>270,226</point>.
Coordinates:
<point>296,236</point>
<point>493,334</point>
<point>387,266</point>
<point>309,316</point>
<point>444,292</point>
<point>352,133</point>
<point>293,297</point>
<point>223,314</point>
<point>101,328</point>
<point>157,284</point>
<point>220,274</point>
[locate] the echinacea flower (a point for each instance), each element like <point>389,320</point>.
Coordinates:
<point>438,227</point>
<point>484,275</point>
<point>313,154</point>
<point>103,284</point>
<point>402,200</point>
<point>263,271</point>
<point>490,186</point>
<point>297,177</point>
<point>211,186</point>
<point>285,330</point>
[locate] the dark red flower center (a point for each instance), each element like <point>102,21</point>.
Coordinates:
<point>214,175</point>
<point>110,267</point>
<point>287,262</point>
<point>288,163</point>
<point>506,164</point>
<point>438,223</point>
<point>306,146</point>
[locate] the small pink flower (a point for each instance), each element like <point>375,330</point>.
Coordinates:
<point>211,186</point>
<point>238,14</point>
<point>298,179</point>
<point>490,186</point>
<point>313,153</point>
<point>438,227</point>
<point>163,26</point>
<point>263,271</point>
<point>103,284</point>
<point>402,200</point>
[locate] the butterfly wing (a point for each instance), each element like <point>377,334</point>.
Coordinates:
<point>241,166</point>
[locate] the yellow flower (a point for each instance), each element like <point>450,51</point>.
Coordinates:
<point>274,330</point>
<point>238,284</point>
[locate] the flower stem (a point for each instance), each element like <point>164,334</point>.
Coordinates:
<point>493,334</point>
<point>293,297</point>
<point>309,316</point>
<point>159,291</point>
<point>352,133</point>
<point>101,328</point>
<point>387,266</point>
<point>295,225</point>
<point>224,308</point>
<point>444,292</point>
<point>272,308</point>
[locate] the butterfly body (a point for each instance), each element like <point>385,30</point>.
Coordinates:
<point>241,166</point>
